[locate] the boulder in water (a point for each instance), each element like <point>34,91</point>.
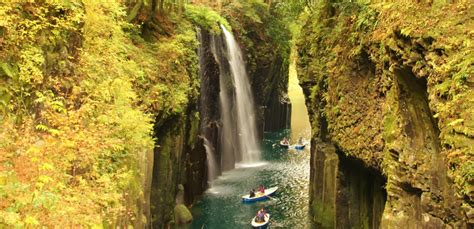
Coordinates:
<point>182,215</point>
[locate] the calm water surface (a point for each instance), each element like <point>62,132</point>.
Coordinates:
<point>221,206</point>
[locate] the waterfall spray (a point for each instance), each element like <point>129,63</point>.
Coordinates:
<point>211,162</point>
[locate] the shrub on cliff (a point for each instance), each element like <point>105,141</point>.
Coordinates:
<point>206,18</point>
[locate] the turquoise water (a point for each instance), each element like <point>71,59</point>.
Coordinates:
<point>221,206</point>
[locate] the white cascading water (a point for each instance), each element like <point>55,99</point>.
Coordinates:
<point>211,162</point>
<point>244,104</point>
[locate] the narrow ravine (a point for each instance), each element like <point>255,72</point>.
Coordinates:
<point>164,113</point>
<point>221,206</point>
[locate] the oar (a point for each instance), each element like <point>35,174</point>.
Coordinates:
<point>270,197</point>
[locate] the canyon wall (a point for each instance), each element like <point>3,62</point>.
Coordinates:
<point>389,89</point>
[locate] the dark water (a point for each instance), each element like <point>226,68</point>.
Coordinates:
<point>221,206</point>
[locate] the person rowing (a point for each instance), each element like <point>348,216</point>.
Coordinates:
<point>260,218</point>
<point>300,141</point>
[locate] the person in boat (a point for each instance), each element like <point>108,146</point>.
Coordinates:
<point>252,193</point>
<point>261,189</point>
<point>300,141</point>
<point>260,216</point>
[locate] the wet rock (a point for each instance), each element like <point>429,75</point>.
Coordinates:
<point>182,215</point>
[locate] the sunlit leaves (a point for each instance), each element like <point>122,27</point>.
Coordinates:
<point>80,118</point>
<point>31,61</point>
<point>206,18</point>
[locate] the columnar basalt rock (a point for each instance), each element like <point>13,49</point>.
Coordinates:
<point>388,104</point>
<point>179,159</point>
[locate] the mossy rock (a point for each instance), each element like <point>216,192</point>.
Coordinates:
<point>180,187</point>
<point>182,215</point>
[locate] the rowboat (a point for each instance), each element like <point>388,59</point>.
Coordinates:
<point>261,224</point>
<point>299,147</point>
<point>284,144</point>
<point>260,196</point>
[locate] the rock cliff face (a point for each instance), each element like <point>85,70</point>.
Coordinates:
<point>180,156</point>
<point>392,123</point>
<point>179,159</point>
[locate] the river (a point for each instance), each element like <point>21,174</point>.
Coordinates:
<point>221,206</point>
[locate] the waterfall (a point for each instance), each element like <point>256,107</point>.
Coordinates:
<point>228,135</point>
<point>229,128</point>
<point>244,105</point>
<point>211,162</point>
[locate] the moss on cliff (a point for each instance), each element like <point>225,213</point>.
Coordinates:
<point>393,82</point>
<point>80,90</point>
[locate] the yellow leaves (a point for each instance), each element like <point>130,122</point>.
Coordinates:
<point>82,145</point>
<point>455,122</point>
<point>406,31</point>
<point>97,226</point>
<point>47,167</point>
<point>43,180</point>
<point>10,218</point>
<point>104,180</point>
<point>30,65</point>
<point>31,221</point>
<point>5,19</point>
<point>58,106</point>
<point>33,150</point>
<point>44,128</point>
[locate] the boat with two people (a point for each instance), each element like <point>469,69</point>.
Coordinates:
<point>260,194</point>
<point>298,146</point>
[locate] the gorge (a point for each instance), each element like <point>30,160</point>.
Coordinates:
<point>162,114</point>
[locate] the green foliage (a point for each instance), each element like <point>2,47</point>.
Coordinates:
<point>262,33</point>
<point>170,71</point>
<point>206,18</point>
